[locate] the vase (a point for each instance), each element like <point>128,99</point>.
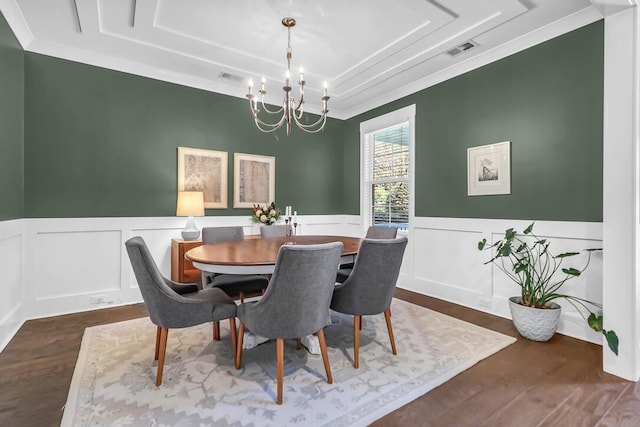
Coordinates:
<point>537,324</point>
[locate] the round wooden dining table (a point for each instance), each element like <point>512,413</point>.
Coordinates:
<point>258,256</point>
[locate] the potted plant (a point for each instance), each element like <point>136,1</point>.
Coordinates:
<point>540,276</point>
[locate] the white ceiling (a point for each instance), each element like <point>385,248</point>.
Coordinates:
<point>369,51</point>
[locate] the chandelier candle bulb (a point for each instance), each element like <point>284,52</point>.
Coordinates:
<point>262,82</point>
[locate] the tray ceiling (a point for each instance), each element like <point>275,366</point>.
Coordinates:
<point>369,51</point>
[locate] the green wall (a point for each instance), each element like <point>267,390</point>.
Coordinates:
<point>11,123</point>
<point>99,142</point>
<point>104,143</point>
<point>546,100</point>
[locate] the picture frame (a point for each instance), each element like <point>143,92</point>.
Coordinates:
<point>206,171</point>
<point>489,169</point>
<point>254,180</point>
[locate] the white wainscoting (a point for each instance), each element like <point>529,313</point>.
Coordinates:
<point>73,262</point>
<point>12,285</point>
<point>59,266</point>
<point>448,265</point>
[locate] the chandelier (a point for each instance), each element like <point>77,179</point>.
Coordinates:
<point>290,110</point>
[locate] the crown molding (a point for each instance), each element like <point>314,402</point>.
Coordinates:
<point>16,21</point>
<point>548,32</point>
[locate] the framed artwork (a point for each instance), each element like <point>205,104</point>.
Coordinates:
<point>206,171</point>
<point>254,180</point>
<point>489,169</point>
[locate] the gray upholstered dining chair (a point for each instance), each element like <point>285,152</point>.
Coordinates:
<point>296,303</point>
<point>231,284</point>
<point>369,288</point>
<point>175,305</point>
<point>373,232</point>
<point>278,230</point>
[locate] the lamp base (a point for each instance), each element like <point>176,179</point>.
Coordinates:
<point>190,234</point>
<point>190,231</point>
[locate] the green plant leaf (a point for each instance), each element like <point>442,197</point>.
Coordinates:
<point>567,254</point>
<point>529,229</point>
<point>519,267</point>
<point>521,247</point>
<point>481,244</point>
<point>595,322</point>
<point>571,271</point>
<point>505,250</point>
<point>612,341</point>
<point>592,249</point>
<point>510,234</point>
<point>541,242</point>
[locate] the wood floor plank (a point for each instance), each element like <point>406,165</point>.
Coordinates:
<point>625,412</point>
<point>526,384</point>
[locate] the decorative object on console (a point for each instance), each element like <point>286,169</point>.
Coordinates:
<point>254,180</point>
<point>289,110</point>
<point>538,273</point>
<point>291,222</point>
<point>489,169</point>
<point>206,171</point>
<point>190,204</point>
<point>266,215</point>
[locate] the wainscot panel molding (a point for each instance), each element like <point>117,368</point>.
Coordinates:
<point>12,314</point>
<point>80,264</point>
<point>59,266</point>
<point>449,266</point>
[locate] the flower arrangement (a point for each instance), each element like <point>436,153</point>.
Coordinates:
<point>266,215</point>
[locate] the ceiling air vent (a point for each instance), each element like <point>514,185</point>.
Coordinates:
<point>462,48</point>
<point>231,77</point>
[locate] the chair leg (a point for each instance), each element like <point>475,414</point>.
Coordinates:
<point>216,331</point>
<point>387,316</point>
<point>279,367</point>
<point>155,357</point>
<point>234,335</point>
<point>239,345</point>
<point>357,320</point>
<point>298,344</point>
<point>325,356</point>
<point>162,351</point>
<point>241,297</point>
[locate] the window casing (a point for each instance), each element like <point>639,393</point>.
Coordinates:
<point>386,165</point>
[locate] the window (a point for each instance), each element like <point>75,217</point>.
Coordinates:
<point>386,147</point>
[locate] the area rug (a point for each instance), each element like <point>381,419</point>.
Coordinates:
<point>114,380</point>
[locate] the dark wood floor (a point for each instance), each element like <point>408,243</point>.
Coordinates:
<point>559,383</point>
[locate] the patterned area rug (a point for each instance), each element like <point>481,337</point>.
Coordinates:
<point>114,379</point>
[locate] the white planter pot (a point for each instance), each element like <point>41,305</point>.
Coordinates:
<point>537,324</point>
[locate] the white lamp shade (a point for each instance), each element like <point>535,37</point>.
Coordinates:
<point>190,203</point>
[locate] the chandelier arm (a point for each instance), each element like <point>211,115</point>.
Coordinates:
<point>264,106</point>
<point>310,128</point>
<point>272,126</point>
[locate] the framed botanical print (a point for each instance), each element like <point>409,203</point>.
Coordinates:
<point>206,171</point>
<point>254,180</point>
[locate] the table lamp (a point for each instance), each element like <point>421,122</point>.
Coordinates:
<point>190,204</point>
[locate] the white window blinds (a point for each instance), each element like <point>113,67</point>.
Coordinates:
<point>386,176</point>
